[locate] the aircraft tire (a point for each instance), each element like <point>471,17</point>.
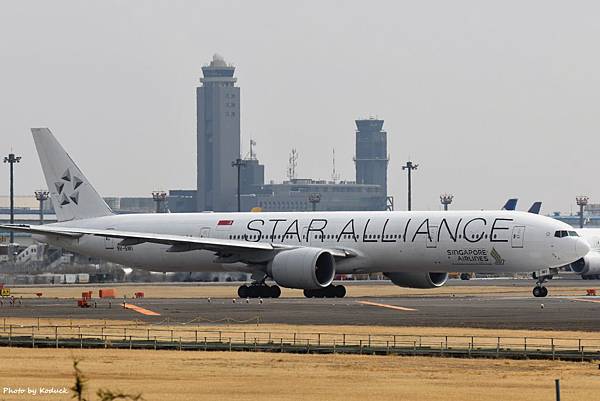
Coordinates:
<point>540,292</point>
<point>243,291</point>
<point>339,291</point>
<point>274,291</point>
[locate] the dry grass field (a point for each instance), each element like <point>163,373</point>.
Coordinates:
<point>230,291</point>
<point>187,376</point>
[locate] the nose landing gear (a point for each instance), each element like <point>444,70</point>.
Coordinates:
<point>539,291</point>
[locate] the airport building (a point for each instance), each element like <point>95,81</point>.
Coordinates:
<point>591,216</point>
<point>218,143</point>
<point>299,195</point>
<point>368,192</point>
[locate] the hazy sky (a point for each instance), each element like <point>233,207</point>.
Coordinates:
<point>492,99</point>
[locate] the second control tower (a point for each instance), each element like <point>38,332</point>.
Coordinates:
<point>371,153</point>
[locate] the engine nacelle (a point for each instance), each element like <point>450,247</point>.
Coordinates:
<point>418,280</point>
<point>589,264</point>
<point>304,268</point>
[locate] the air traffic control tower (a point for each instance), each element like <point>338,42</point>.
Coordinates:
<point>218,131</point>
<point>371,158</point>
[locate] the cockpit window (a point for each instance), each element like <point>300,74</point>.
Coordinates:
<point>564,233</point>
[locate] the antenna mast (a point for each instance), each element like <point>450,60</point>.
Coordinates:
<point>292,164</point>
<point>334,175</point>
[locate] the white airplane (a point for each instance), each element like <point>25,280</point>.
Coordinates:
<point>589,265</point>
<point>303,250</point>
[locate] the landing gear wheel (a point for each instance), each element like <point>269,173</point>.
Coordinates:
<point>259,291</point>
<point>332,291</point>
<point>243,291</point>
<point>540,292</point>
<point>339,291</point>
<point>274,291</point>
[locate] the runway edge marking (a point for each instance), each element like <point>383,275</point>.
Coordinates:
<point>141,310</point>
<point>596,301</point>
<point>402,308</point>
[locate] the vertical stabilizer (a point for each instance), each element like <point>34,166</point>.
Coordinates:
<point>535,208</point>
<point>510,204</point>
<point>72,195</point>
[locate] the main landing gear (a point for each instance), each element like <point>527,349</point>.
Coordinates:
<point>259,291</point>
<point>331,291</point>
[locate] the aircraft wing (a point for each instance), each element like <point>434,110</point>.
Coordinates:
<point>178,243</point>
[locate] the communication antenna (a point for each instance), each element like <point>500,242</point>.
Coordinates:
<point>334,175</point>
<point>292,164</point>
<point>251,155</point>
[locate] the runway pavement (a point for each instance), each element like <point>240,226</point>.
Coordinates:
<point>485,311</point>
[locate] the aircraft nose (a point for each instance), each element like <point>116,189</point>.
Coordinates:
<point>581,247</point>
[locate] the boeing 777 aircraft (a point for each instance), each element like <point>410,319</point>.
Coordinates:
<point>302,250</point>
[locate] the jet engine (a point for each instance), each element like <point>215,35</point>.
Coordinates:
<point>418,280</point>
<point>588,265</point>
<point>304,268</point>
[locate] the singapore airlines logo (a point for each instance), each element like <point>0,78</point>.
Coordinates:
<point>73,196</point>
<point>497,258</point>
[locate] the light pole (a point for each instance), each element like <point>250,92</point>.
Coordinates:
<point>239,163</point>
<point>582,201</point>
<point>314,198</point>
<point>410,167</point>
<point>446,200</point>
<point>159,197</point>
<point>41,196</point>
<point>11,159</point>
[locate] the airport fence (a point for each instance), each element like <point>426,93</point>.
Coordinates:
<point>178,338</point>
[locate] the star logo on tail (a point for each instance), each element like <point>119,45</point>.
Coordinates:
<point>73,195</point>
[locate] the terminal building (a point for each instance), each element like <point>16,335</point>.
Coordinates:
<point>300,195</point>
<point>591,216</point>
